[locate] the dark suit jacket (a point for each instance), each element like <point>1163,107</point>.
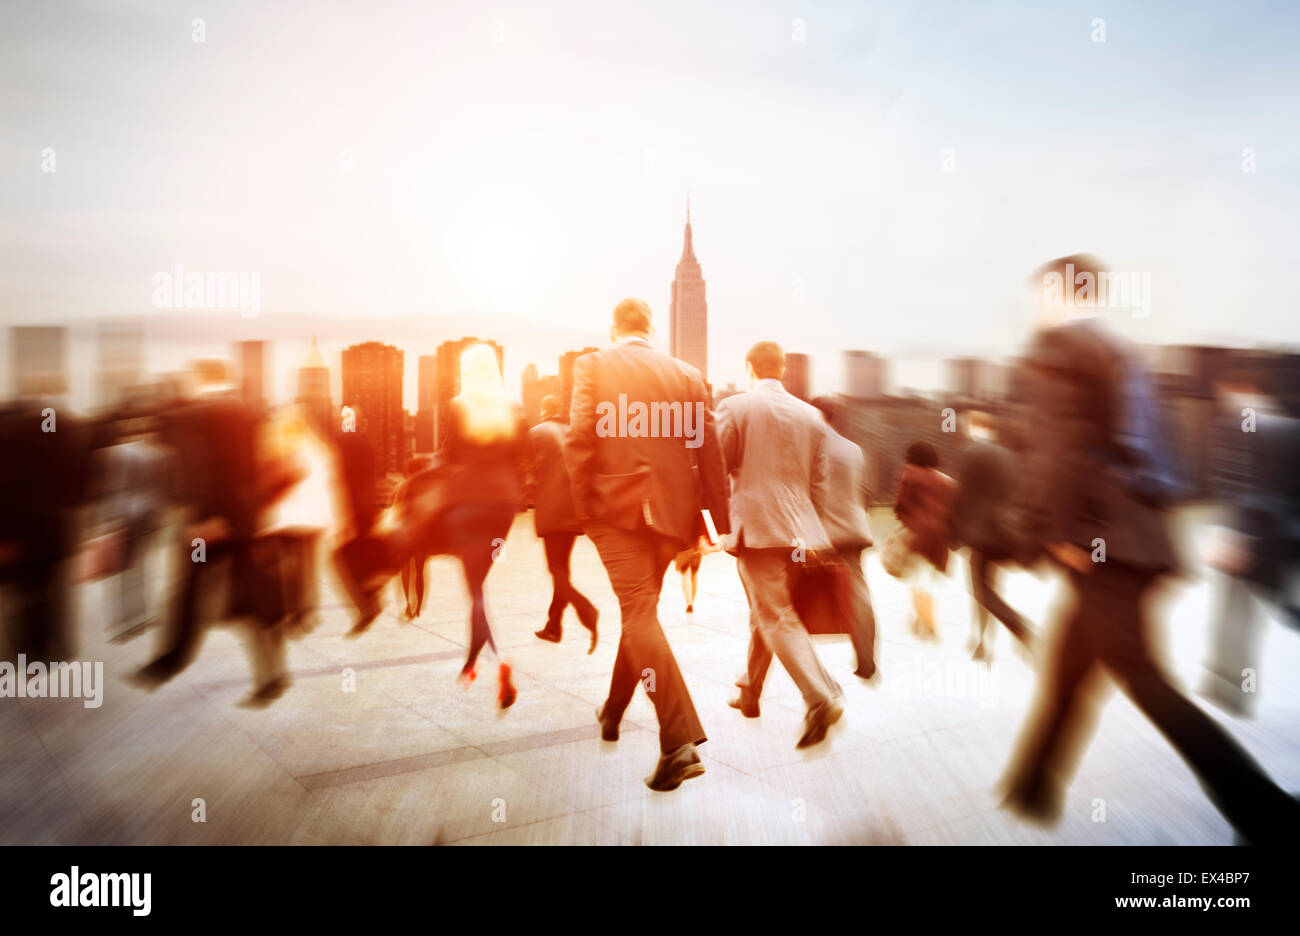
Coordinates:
<point>924,506</point>
<point>1068,492</point>
<point>552,497</point>
<point>986,483</point>
<point>628,481</point>
<point>1264,498</point>
<point>215,441</point>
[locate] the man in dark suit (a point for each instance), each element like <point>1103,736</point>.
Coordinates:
<point>1079,505</point>
<point>986,483</point>
<point>775,449</point>
<point>643,459</point>
<point>555,521</point>
<point>1257,549</point>
<point>215,438</point>
<point>844,516</point>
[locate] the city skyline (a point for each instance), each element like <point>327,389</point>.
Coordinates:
<point>857,190</point>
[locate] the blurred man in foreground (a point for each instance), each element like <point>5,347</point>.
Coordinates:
<point>1098,474</point>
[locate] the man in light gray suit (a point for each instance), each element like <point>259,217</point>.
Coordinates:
<point>844,515</point>
<point>775,448</point>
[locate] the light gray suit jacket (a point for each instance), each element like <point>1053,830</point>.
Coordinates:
<point>844,512</point>
<point>775,448</point>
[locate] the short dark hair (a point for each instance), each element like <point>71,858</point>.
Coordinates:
<point>768,360</point>
<point>632,316</point>
<point>551,404</point>
<point>922,455</point>
<point>1082,263</point>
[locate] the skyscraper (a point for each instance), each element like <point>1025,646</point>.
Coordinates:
<point>314,390</point>
<point>534,388</point>
<point>864,375</point>
<point>252,371</point>
<point>797,375</point>
<point>427,403</point>
<point>447,379</point>
<point>372,385</point>
<point>566,376</point>
<point>688,312</point>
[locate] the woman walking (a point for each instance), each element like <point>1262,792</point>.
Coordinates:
<point>924,507</point>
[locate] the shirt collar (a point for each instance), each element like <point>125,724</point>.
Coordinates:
<point>769,382</point>
<point>635,339</point>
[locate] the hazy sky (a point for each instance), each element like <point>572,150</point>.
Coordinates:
<point>517,169</point>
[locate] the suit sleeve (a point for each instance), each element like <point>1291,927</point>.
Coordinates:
<point>715,488</point>
<point>728,438</point>
<point>580,438</point>
<point>820,486</point>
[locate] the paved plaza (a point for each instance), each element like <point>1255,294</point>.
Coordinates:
<point>408,757</point>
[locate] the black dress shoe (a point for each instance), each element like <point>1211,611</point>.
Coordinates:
<point>553,636</point>
<point>676,768</point>
<point>746,703</point>
<point>818,721</point>
<point>608,729</point>
<point>867,673</point>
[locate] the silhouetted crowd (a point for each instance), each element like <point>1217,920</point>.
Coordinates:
<point>1081,477</point>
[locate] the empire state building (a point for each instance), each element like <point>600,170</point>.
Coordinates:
<point>688,312</point>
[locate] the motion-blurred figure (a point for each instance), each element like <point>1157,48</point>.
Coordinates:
<point>556,523</point>
<point>292,447</point>
<point>844,515</point>
<point>639,499</point>
<point>215,436</point>
<point>132,482</point>
<point>775,445</point>
<point>1257,550</point>
<point>986,483</point>
<point>361,559</point>
<point>413,568</point>
<point>43,480</point>
<point>923,506</point>
<point>1097,474</point>
<point>466,502</point>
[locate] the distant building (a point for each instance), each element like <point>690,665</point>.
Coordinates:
<point>797,377</point>
<point>252,359</point>
<point>427,407</point>
<point>864,375</point>
<point>566,377</point>
<point>372,386</point>
<point>121,361</point>
<point>533,389</point>
<point>688,310</point>
<point>447,380</point>
<point>39,355</point>
<point>314,390</point>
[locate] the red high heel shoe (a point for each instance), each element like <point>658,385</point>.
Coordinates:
<point>467,677</point>
<point>506,692</point>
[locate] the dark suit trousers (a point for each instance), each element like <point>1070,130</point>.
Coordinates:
<point>636,561</point>
<point>983,581</point>
<point>862,618</point>
<point>559,547</point>
<point>1108,629</point>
